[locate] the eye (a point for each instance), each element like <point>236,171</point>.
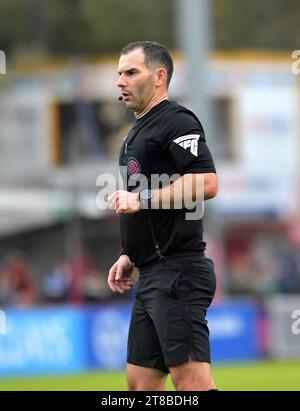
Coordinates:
<point>131,72</point>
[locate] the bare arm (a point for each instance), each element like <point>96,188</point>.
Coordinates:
<point>188,188</point>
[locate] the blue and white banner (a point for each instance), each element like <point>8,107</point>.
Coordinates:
<point>42,341</point>
<point>107,330</point>
<point>234,331</point>
<point>70,339</point>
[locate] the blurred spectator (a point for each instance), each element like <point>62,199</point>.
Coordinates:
<point>81,264</point>
<point>94,287</point>
<point>7,294</point>
<point>240,276</point>
<point>266,266</point>
<point>55,284</point>
<point>17,286</point>
<point>288,264</point>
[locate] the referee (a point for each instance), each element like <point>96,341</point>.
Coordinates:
<point>167,169</point>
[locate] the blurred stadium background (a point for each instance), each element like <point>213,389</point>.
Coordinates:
<point>61,126</point>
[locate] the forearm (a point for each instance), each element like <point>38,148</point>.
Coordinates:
<point>188,189</point>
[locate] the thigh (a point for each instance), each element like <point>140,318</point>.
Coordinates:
<point>198,290</point>
<point>182,298</point>
<point>143,348</point>
<point>169,316</point>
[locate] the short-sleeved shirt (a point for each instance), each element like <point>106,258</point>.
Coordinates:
<point>168,140</point>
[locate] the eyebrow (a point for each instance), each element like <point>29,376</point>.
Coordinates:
<point>127,70</point>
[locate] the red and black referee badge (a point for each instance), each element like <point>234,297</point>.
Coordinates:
<point>133,167</point>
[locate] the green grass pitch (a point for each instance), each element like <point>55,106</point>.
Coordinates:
<point>264,375</point>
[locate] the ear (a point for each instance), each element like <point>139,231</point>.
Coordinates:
<point>161,76</point>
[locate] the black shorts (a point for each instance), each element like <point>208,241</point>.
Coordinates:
<point>168,324</point>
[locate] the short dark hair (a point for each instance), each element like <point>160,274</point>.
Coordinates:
<point>154,53</point>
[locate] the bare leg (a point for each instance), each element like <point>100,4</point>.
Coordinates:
<point>192,376</point>
<point>145,379</point>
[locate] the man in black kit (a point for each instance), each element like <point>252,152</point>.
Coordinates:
<point>168,330</point>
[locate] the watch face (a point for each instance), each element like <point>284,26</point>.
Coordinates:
<point>146,194</point>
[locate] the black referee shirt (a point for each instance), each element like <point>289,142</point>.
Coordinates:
<point>168,140</point>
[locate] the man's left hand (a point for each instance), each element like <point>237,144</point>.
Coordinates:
<point>124,202</point>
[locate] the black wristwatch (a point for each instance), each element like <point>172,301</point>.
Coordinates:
<point>145,199</point>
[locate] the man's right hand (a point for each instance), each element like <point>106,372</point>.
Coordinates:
<point>120,275</point>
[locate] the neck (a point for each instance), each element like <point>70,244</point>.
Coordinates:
<point>153,102</point>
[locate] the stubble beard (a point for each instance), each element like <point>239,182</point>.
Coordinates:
<point>141,102</point>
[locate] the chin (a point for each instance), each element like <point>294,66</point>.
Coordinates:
<point>132,106</point>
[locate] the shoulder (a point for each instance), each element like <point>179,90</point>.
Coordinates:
<point>177,120</point>
<point>180,117</point>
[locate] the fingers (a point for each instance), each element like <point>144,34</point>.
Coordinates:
<point>111,200</point>
<point>123,202</point>
<point>121,286</point>
<point>110,279</point>
<point>118,274</point>
<point>116,282</point>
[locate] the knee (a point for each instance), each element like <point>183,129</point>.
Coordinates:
<point>192,376</point>
<point>184,382</point>
<point>140,384</point>
<point>145,379</point>
<point>132,385</point>
<point>188,385</point>
<point>178,381</point>
<point>181,384</point>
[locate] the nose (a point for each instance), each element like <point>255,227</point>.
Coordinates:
<point>121,81</point>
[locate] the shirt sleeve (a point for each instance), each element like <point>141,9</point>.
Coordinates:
<point>183,136</point>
